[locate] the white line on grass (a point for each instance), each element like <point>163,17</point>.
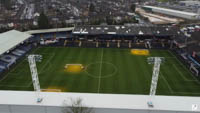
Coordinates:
<point>100,71</point>
<point>52,55</point>
<point>42,69</point>
<point>169,87</point>
<point>186,79</point>
<point>39,72</point>
<point>172,91</point>
<point>184,67</point>
<point>15,67</point>
<point>47,62</point>
<point>10,72</point>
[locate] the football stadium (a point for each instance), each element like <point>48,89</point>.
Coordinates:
<point>105,60</point>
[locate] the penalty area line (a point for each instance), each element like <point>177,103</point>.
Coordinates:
<point>180,73</point>
<point>195,79</point>
<point>46,63</point>
<point>18,64</point>
<point>169,87</point>
<point>175,92</point>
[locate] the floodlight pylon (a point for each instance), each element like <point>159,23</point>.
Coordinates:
<point>34,73</point>
<point>33,68</point>
<point>156,69</point>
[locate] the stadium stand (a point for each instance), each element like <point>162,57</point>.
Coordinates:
<point>50,30</point>
<point>124,30</point>
<point>135,36</point>
<point>10,58</point>
<point>3,64</point>
<point>13,46</point>
<point>188,50</point>
<point>11,39</point>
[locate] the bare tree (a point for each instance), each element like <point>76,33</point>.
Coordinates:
<point>76,106</point>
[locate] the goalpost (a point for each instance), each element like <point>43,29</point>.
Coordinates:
<point>74,68</point>
<point>68,65</point>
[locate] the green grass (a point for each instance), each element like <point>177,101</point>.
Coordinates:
<point>107,71</point>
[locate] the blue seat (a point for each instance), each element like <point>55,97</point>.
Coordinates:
<point>3,63</point>
<point>1,70</point>
<point>193,60</point>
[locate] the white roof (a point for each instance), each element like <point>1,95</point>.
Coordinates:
<point>50,30</point>
<point>194,1</point>
<point>117,101</point>
<point>171,10</point>
<point>10,39</point>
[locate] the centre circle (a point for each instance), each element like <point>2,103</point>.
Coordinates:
<point>101,69</point>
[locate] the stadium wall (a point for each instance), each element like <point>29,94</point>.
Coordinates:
<point>48,109</point>
<point>26,102</point>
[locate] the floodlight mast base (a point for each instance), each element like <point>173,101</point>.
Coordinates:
<point>33,68</point>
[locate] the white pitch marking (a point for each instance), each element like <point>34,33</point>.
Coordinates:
<point>167,83</point>
<point>6,76</point>
<point>171,90</point>
<point>186,79</point>
<point>47,62</point>
<point>195,79</point>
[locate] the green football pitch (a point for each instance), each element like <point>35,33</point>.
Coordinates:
<point>106,70</point>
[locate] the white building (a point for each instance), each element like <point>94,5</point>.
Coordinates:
<point>175,13</point>
<point>190,3</point>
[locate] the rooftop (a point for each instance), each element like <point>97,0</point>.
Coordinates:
<point>171,10</point>
<point>10,39</point>
<point>50,30</point>
<point>117,101</point>
<point>124,30</point>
